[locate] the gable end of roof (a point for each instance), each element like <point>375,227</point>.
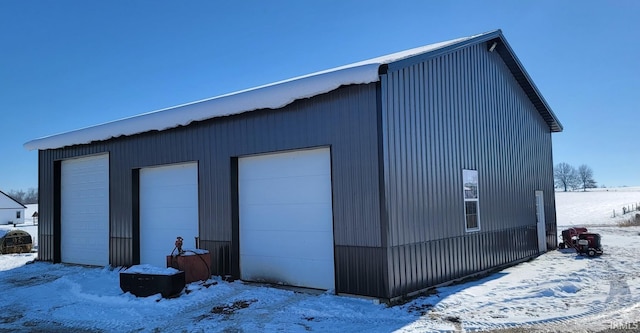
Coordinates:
<point>515,66</point>
<point>510,59</point>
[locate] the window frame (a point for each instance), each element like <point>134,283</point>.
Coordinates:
<point>18,214</point>
<point>474,196</point>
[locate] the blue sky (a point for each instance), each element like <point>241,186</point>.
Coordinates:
<point>72,64</point>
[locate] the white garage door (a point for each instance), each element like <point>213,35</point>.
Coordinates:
<point>286,218</point>
<point>168,209</point>
<point>84,210</point>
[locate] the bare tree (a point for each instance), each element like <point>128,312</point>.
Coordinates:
<point>25,198</point>
<point>585,177</point>
<point>17,195</point>
<point>31,197</point>
<point>565,176</point>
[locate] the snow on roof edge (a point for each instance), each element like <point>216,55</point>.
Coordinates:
<point>266,97</point>
<point>270,96</point>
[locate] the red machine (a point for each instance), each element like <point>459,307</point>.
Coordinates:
<point>570,237</point>
<point>582,241</point>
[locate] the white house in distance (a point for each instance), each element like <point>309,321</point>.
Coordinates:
<point>11,211</point>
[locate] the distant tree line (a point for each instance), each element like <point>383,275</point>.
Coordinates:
<point>567,177</point>
<point>25,198</point>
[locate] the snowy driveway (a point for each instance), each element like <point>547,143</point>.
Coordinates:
<point>558,291</point>
<point>47,297</point>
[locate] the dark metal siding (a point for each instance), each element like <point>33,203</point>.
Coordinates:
<point>344,119</point>
<point>462,110</point>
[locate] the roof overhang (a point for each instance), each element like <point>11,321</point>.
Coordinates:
<point>523,78</point>
<point>282,93</point>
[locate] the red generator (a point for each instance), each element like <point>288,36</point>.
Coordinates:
<point>582,241</point>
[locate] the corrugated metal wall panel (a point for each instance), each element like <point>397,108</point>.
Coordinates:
<point>511,135</point>
<point>443,258</point>
<point>361,270</point>
<point>344,119</point>
<point>45,224</point>
<point>462,110</point>
<point>220,256</point>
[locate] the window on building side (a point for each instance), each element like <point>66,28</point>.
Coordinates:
<point>17,214</point>
<point>470,184</point>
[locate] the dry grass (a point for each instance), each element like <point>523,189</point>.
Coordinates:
<point>631,222</point>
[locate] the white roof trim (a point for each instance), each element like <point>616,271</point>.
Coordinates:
<point>270,96</point>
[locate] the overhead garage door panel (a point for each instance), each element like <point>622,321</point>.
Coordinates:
<point>274,243</point>
<point>291,272</point>
<point>288,164</point>
<point>286,219</point>
<point>290,218</point>
<point>84,210</point>
<point>284,190</point>
<point>168,209</point>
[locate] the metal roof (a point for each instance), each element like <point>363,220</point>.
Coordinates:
<point>279,94</point>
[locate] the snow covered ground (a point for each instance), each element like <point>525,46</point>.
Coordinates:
<point>595,207</point>
<point>558,291</point>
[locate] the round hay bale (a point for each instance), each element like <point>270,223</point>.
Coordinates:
<point>15,241</point>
